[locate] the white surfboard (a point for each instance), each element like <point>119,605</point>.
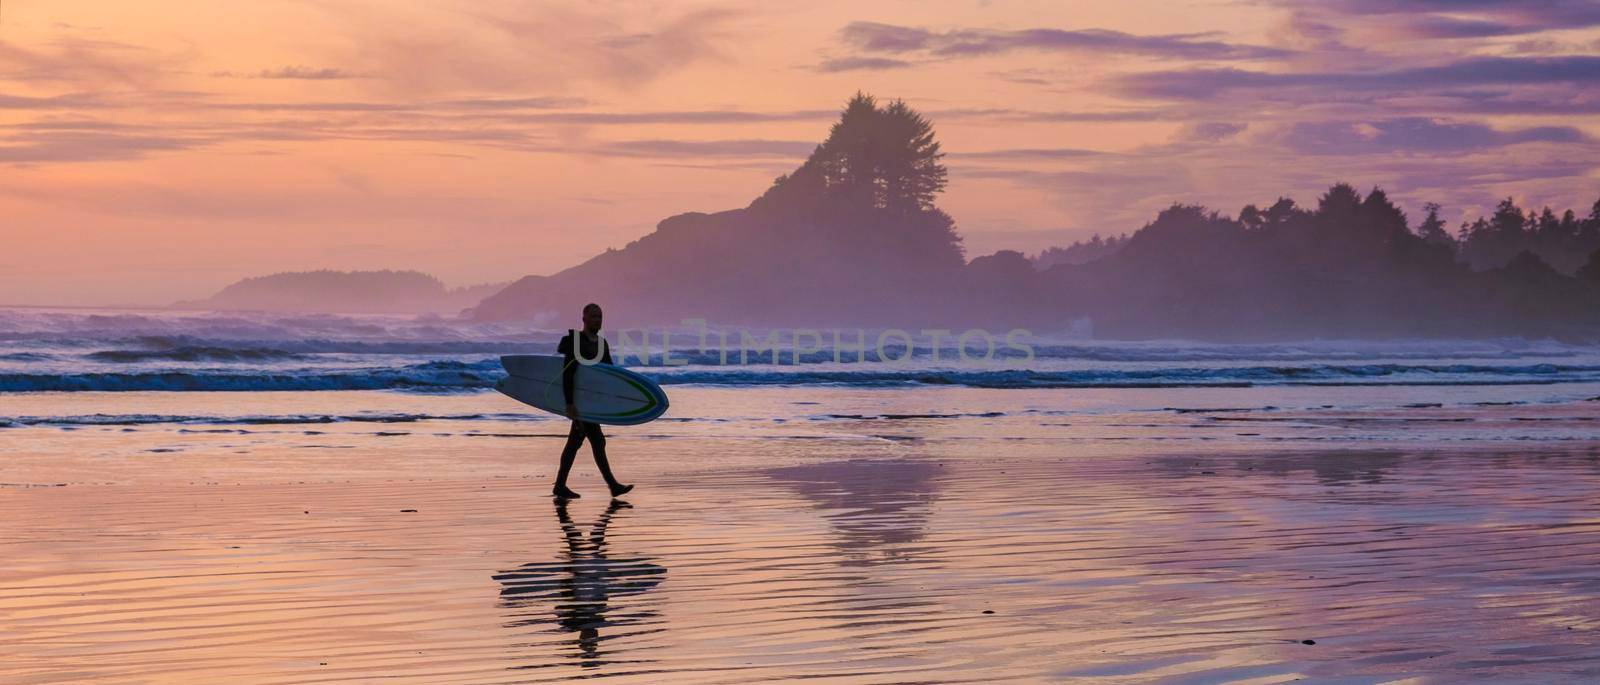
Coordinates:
<point>604,393</point>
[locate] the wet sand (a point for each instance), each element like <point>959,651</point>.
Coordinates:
<point>743,560</point>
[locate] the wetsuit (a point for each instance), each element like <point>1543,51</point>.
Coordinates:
<point>589,350</point>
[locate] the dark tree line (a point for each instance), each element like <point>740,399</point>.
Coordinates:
<point>1565,242</point>
<point>1350,266</point>
<point>1079,252</point>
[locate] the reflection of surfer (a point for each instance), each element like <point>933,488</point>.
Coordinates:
<point>586,613</point>
<point>582,584</point>
<point>584,346</point>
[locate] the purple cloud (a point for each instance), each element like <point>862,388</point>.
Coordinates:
<point>516,103</point>
<point>1444,19</point>
<point>861,64</point>
<point>875,37</point>
<point>1415,134</point>
<point>1003,114</point>
<point>69,101</point>
<point>1548,101</point>
<point>1441,26</point>
<point>76,145</point>
<point>1210,131</point>
<point>1207,84</point>
<point>1028,153</point>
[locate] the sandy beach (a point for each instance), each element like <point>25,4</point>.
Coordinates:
<point>877,549</point>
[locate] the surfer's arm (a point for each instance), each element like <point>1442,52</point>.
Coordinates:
<point>605,354</point>
<point>569,369</point>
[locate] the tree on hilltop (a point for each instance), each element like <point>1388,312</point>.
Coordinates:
<point>880,157</point>
<point>875,177</point>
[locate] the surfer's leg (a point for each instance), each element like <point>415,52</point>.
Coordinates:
<point>597,443</point>
<point>569,454</point>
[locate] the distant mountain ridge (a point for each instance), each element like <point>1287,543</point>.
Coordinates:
<point>852,235</point>
<point>329,291</point>
<point>853,238</point>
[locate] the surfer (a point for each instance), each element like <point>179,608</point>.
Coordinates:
<point>589,347</point>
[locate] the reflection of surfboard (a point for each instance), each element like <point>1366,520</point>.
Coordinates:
<point>604,393</point>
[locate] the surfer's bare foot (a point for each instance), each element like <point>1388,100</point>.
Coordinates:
<point>563,492</point>
<point>619,490</point>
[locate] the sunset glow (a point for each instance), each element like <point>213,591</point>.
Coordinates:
<point>159,150</point>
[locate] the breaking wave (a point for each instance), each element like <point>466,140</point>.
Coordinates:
<point>193,354</point>
<point>252,420</point>
<point>438,376</point>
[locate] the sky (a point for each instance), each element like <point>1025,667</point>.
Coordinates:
<point>158,150</point>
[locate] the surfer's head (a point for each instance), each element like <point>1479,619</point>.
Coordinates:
<point>591,317</point>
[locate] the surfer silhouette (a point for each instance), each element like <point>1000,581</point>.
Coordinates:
<point>584,347</point>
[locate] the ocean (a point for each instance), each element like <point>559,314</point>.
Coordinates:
<point>68,369</point>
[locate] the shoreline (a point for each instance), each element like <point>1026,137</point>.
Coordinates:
<point>819,533</point>
<point>874,567</point>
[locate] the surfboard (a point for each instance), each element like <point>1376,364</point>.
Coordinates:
<point>604,393</point>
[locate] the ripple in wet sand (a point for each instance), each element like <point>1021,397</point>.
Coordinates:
<point>1170,569</point>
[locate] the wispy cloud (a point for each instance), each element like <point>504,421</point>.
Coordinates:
<point>516,103</point>
<point>861,64</point>
<point>77,145</point>
<point>491,104</point>
<point>1209,131</point>
<point>888,38</point>
<point>706,148</point>
<point>504,46</point>
<point>1453,19</point>
<point>711,116</point>
<point>91,63</point>
<point>1002,114</point>
<point>1416,134</point>
<point>1028,153</point>
<point>1206,84</point>
<point>296,72</point>
<point>70,101</point>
